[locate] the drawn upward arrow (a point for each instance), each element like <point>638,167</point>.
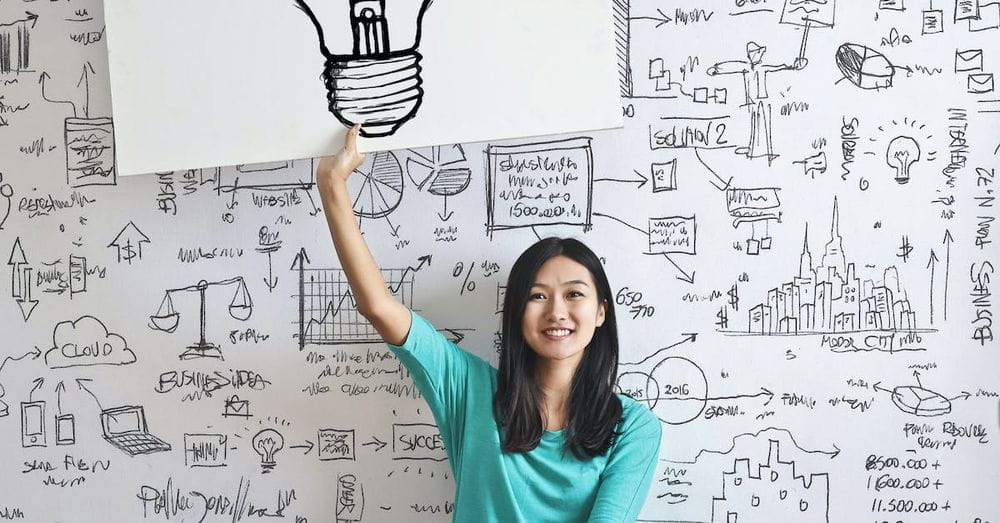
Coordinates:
<point>301,259</point>
<point>85,80</point>
<point>41,80</point>
<point>930,265</point>
<point>641,181</point>
<point>38,384</point>
<point>21,279</point>
<point>80,382</point>
<point>948,240</point>
<point>688,337</point>
<point>129,239</point>
<point>60,388</point>
<point>425,259</point>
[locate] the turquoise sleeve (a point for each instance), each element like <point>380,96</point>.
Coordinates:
<point>439,369</point>
<point>629,472</point>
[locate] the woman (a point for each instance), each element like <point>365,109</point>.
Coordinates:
<point>544,437</point>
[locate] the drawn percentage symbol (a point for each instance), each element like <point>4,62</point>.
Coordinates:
<point>468,284</point>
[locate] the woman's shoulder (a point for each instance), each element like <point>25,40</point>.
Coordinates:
<point>637,419</point>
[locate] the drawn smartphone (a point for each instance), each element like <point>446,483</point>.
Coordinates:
<point>32,423</point>
<point>65,429</point>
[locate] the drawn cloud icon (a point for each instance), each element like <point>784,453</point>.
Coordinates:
<point>86,342</point>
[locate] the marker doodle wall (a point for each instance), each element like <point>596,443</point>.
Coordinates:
<point>798,220</point>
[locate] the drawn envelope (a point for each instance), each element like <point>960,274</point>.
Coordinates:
<point>989,18</point>
<point>236,407</point>
<point>969,60</point>
<point>981,83</point>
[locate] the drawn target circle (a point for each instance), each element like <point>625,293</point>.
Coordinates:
<point>376,186</point>
<point>639,386</point>
<point>682,391</point>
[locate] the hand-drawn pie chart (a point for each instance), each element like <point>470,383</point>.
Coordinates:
<point>445,168</point>
<point>376,187</point>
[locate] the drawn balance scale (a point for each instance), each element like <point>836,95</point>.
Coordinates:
<point>166,318</point>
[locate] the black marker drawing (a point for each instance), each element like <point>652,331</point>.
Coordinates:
<point>205,450</point>
<point>167,318</point>
<point>759,205</point>
<point>541,183</point>
<point>350,498</point>
<point>90,142</point>
<point>129,242</point>
<point>920,401</point>
<point>376,187</point>
<point>125,428</point>
<point>328,314</point>
<point>336,444</point>
<point>6,194</point>
<point>864,67</point>
<point>236,407</point>
<point>266,444</point>
<point>65,429</point>
<point>21,281</point>
<point>754,73</point>
<point>35,353</point>
<point>15,43</point>
<point>445,169</point>
<point>84,342</point>
<point>904,150</point>
<point>33,423</point>
<point>268,243</point>
<point>377,82</point>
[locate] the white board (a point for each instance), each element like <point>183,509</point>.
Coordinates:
<point>198,84</point>
<point>782,396</point>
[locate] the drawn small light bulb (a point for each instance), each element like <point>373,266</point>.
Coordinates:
<point>372,71</point>
<point>901,154</point>
<point>267,443</point>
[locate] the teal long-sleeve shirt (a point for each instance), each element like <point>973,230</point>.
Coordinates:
<point>547,484</point>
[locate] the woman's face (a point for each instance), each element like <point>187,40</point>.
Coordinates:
<point>562,310</point>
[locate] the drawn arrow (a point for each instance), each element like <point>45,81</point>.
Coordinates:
<point>623,222</point>
<point>35,353</point>
<point>947,241</point>
<point>425,259</point>
<point>393,229</point>
<point>21,278</point>
<point>876,387</point>
<point>452,335</point>
<point>41,80</point>
<point>309,446</point>
<point>916,374</point>
<point>964,395</point>
<point>660,20</point>
<point>375,441</point>
<point>930,265</point>
<point>446,215</point>
<point>641,181</point>
<point>724,183</point>
<point>85,80</point>
<point>270,281</point>
<point>689,278</point>
<point>301,259</point>
<point>28,17</point>
<point>130,238</point>
<point>60,388</point>
<point>688,337</point>
<point>763,392</point>
<point>80,382</point>
<point>38,384</point>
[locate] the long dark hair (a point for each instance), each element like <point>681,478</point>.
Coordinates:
<point>594,409</point>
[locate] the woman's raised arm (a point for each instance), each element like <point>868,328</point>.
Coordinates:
<point>389,317</point>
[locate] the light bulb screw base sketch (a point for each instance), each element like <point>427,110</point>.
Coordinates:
<point>375,85</point>
<point>901,154</point>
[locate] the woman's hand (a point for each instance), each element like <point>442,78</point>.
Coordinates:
<point>338,168</point>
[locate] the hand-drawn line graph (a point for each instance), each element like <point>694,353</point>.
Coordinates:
<point>328,312</point>
<point>15,43</point>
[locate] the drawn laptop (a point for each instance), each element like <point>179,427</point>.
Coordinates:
<point>125,428</point>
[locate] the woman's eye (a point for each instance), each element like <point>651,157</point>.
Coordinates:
<point>575,294</point>
<point>537,296</point>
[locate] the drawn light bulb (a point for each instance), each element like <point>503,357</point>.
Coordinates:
<point>901,154</point>
<point>372,71</point>
<point>267,442</point>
